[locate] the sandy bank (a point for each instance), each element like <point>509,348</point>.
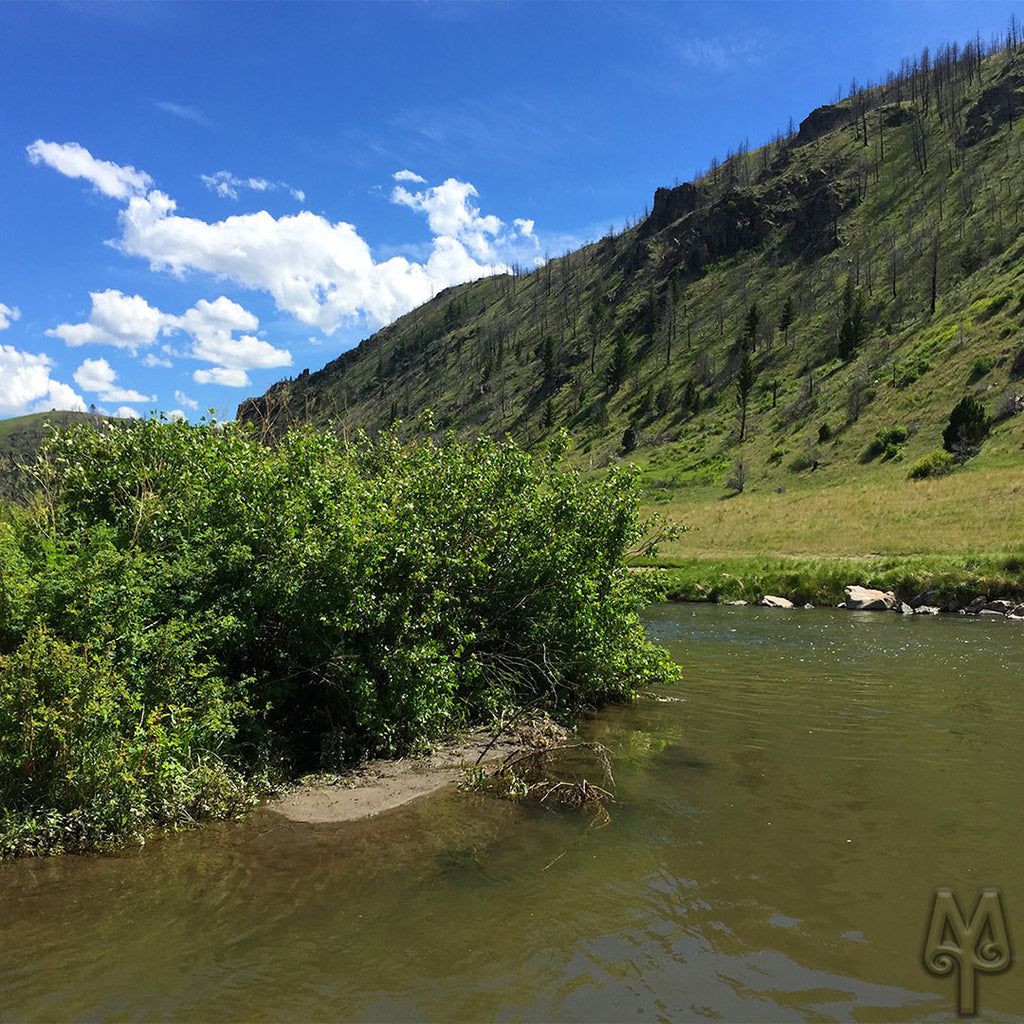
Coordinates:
<point>380,785</point>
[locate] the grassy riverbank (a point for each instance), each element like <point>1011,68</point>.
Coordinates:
<point>821,581</point>
<point>960,535</point>
<point>186,613</point>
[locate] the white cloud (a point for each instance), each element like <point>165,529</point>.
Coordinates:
<point>524,227</point>
<point>95,375</point>
<point>212,326</point>
<point>75,161</point>
<point>452,214</point>
<point>98,376</point>
<point>124,321</point>
<point>409,176</point>
<point>227,185</point>
<point>130,322</point>
<point>8,314</point>
<point>182,399</point>
<point>151,360</point>
<point>25,379</point>
<point>217,319</point>
<point>321,272</point>
<point>126,412</point>
<point>61,396</point>
<point>223,376</point>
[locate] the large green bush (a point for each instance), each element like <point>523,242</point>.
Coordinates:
<point>967,428</point>
<point>184,605</point>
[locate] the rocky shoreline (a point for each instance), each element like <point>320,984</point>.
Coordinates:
<point>929,602</point>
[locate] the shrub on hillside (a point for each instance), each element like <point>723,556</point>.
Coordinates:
<point>938,463</point>
<point>887,443</point>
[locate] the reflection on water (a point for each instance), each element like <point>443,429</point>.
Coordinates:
<point>779,834</point>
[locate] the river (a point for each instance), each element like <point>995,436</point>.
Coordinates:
<point>781,826</point>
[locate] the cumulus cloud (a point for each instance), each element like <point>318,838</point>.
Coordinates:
<point>227,185</point>
<point>182,399</point>
<point>8,314</point>
<point>223,375</point>
<point>26,384</point>
<point>451,213</point>
<point>409,176</point>
<point>126,412</point>
<point>75,161</point>
<point>212,326</point>
<point>321,272</point>
<point>151,360</point>
<point>130,322</point>
<point>124,321</point>
<point>98,376</point>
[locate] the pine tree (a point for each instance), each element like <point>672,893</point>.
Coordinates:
<point>750,324</point>
<point>619,365</point>
<point>967,428</point>
<point>853,329</point>
<point>787,318</point>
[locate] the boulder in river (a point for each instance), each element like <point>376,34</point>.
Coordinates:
<point>863,599</point>
<point>771,601</point>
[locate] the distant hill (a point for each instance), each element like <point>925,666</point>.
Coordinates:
<point>20,439</point>
<point>860,274</point>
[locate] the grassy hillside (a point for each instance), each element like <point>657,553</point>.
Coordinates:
<point>20,438</point>
<point>869,266</point>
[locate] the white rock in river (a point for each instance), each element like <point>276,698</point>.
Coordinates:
<point>862,599</point>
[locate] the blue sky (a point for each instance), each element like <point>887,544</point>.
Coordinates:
<point>199,199</point>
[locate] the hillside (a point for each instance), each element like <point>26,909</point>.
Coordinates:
<point>859,275</point>
<point>20,438</point>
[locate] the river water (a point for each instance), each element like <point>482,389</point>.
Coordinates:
<point>781,826</point>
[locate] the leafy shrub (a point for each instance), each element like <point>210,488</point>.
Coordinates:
<point>981,366</point>
<point>911,370</point>
<point>88,758</point>
<point>995,305</point>
<point>887,443</point>
<point>189,605</point>
<point>937,463</point>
